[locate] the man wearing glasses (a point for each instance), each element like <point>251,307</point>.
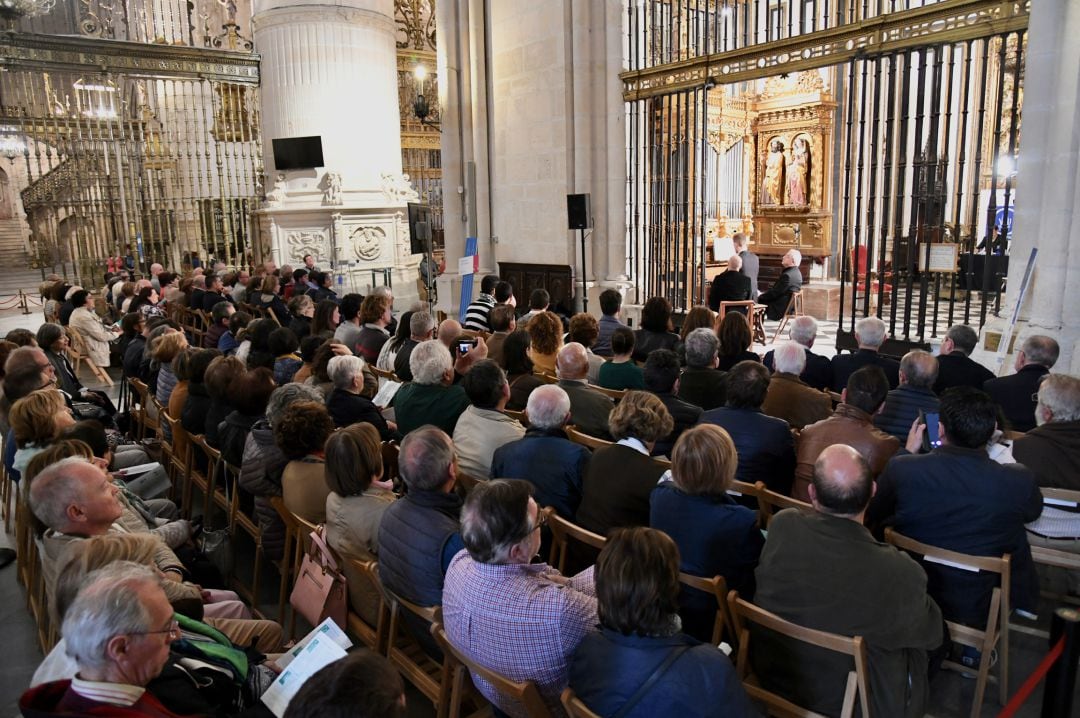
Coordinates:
<point>519,619</point>
<point>118,632</point>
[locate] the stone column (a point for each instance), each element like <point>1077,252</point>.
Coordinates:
<point>331,71</point>
<point>1048,189</point>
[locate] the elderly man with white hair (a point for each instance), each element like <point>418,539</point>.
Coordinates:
<point>117,630</point>
<point>870,333</point>
<point>589,407</point>
<point>818,370</point>
<point>789,397</point>
<point>701,383</point>
<point>1015,393</point>
<point>778,296</point>
<point>730,285</point>
<point>347,404</point>
<point>545,457</point>
<point>431,397</point>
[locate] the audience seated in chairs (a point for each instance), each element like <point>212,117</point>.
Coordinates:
<point>483,428</point>
<point>520,619</point>
<point>181,366</point>
<point>818,371</point>
<point>764,443</point>
<point>421,328</point>
<point>134,329</point>
<point>640,663</point>
<point>851,424</point>
<point>544,456</point>
<point>610,307</point>
<point>589,407</point>
<point>302,310</point>
<point>915,394</point>
<point>220,379</point>
<point>656,329</point>
<point>326,318</point>
<point>620,477</point>
<point>86,321</point>
<point>870,334</point>
<point>348,332</point>
<point>699,317</point>
<point>53,340</point>
<point>731,285</point>
<point>545,340</point>
<point>789,397</point>
<point>701,383</point>
<point>308,348</point>
<point>283,345</point>
<point>259,353</point>
<point>37,419</point>
<point>26,370</point>
<point>250,393</point>
<point>219,324</point>
<point>823,570</point>
<point>958,498</point>
<point>621,372</point>
<point>1014,393</point>
<point>431,397</point>
<point>196,406</point>
<point>355,506</point>
<point>735,341</point>
<point>374,318</point>
<point>478,312</point>
<point>164,350</point>
<point>715,535</point>
<point>267,298</point>
<point>955,365</point>
<point>150,486</point>
<point>388,353</point>
<point>502,323</point>
<point>662,379</point>
<point>584,330</point>
<point>301,434</point>
<point>363,684</point>
<point>346,403</point>
<point>519,369</point>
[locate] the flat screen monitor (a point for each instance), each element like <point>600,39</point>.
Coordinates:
<point>298,153</point>
<point>419,227</point>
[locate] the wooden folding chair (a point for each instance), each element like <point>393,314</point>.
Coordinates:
<point>770,503</point>
<point>7,510</point>
<point>384,374</point>
<point>996,632</point>
<point>563,533</point>
<point>455,665</point>
<point>744,614</point>
<point>590,442</point>
<point>390,451</point>
<point>207,483</point>
<point>716,586</point>
<point>793,309</point>
<point>467,482</point>
<point>246,523</point>
<point>741,489</point>
<point>546,377</point>
<point>288,554</point>
<point>147,420</point>
<point>374,637</point>
<point>78,343</point>
<point>1058,500</point>
<point>574,706</point>
<point>614,394</point>
<point>414,664</point>
<point>519,415</point>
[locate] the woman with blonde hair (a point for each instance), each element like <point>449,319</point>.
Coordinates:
<point>621,476</point>
<point>37,419</point>
<point>163,351</point>
<point>545,340</point>
<point>715,535</point>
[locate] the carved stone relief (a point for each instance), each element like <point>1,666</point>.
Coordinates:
<point>398,189</point>
<point>306,241</point>
<point>367,242</point>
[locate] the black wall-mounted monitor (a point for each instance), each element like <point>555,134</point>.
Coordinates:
<point>419,228</point>
<point>298,153</point>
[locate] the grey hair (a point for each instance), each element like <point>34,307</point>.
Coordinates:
<point>790,358</point>
<point>420,324</point>
<point>701,347</point>
<point>104,609</point>
<point>870,331</point>
<point>1060,393</point>
<point>803,330</point>
<point>572,361</point>
<point>343,370</point>
<point>547,407</point>
<point>920,368</point>
<point>429,361</point>
<point>1041,350</point>
<point>495,518</point>
<point>54,489</point>
<point>963,338</point>
<point>734,263</point>
<point>796,255</point>
<point>285,395</point>
<point>425,457</point>
<point>382,291</point>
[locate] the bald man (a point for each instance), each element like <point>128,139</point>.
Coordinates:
<point>730,286</point>
<point>589,407</point>
<point>822,569</point>
<point>918,372</point>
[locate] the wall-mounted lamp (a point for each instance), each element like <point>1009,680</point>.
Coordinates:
<point>421,108</point>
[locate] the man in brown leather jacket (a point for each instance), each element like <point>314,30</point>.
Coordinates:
<point>851,424</point>
<point>789,397</point>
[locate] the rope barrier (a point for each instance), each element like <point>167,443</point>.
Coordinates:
<point>1033,680</point>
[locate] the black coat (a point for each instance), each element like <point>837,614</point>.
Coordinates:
<point>683,413</point>
<point>765,446</point>
<point>1013,394</point>
<point>844,365</point>
<point>346,409</point>
<point>779,295</point>
<point>703,387</point>
<point>957,369</point>
<point>729,287</point>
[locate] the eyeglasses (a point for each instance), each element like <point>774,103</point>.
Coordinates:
<point>541,520</point>
<point>1035,397</point>
<point>173,630</point>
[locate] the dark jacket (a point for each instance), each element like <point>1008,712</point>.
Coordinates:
<point>413,533</point>
<point>960,499</point>
<point>65,373</point>
<point>347,408</point>
<point>553,464</point>
<point>275,304</point>
<point>764,443</point>
<point>1013,394</point>
<point>197,406</point>
<point>750,266</point>
<point>437,404</point>
<point>219,409</point>
<point>683,413</point>
<point>608,668</point>
<point>133,356</point>
<point>602,345</point>
<point>1052,451</point>
<point>233,433</point>
<point>829,574</point>
<point>260,475</point>
<point>646,342</point>
<point>844,365</point>
<point>213,335</point>
<point>727,362</point>
<point>957,369</point>
<point>779,295</point>
<point>729,286</point>
<point>589,409</point>
<point>818,372</point>
<point>617,487</point>
<point>902,407</point>
<point>520,387</point>
<point>401,359</point>
<point>212,299</point>
<point>195,301</point>
<point>703,387</point>
<point>301,326</point>
<point>716,537</point>
<point>370,343</point>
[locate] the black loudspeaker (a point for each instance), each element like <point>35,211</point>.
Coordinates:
<point>579,211</point>
<point>419,228</point>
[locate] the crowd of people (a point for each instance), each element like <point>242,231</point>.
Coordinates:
<point>274,370</point>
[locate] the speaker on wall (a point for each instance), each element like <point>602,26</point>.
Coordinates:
<point>579,211</point>
<point>419,228</point>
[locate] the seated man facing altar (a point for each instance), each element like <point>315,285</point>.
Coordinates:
<point>790,280</point>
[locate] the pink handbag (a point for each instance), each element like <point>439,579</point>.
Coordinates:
<point>320,590</point>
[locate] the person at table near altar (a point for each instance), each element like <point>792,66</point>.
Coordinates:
<point>789,281</point>
<point>730,285</point>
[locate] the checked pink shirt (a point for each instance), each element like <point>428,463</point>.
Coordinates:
<point>515,620</point>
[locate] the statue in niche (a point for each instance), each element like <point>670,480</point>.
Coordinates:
<point>772,188</point>
<point>332,188</point>
<point>277,195</point>
<point>798,172</point>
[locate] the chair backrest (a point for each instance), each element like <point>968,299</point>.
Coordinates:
<point>467,482</point>
<point>546,377</point>
<point>770,502</point>
<point>372,636</point>
<point>615,394</point>
<point>390,451</point>
<point>590,442</point>
<point>747,308</point>
<point>575,708</point>
<point>524,692</point>
<point>743,614</point>
<point>564,532</point>
<point>384,373</point>
<point>717,586</point>
<point>519,415</point>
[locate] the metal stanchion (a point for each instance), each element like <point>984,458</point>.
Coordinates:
<point>1061,680</point>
